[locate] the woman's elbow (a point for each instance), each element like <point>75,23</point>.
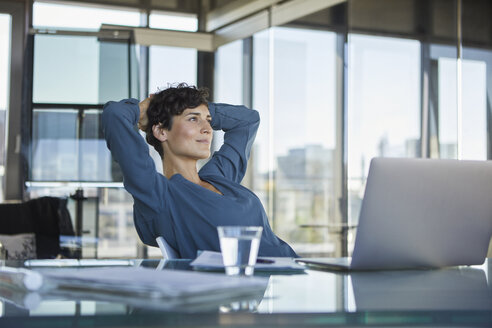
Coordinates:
<point>255,116</point>
<point>109,110</point>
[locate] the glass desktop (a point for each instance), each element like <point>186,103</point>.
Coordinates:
<point>448,296</point>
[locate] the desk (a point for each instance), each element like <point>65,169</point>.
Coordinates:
<point>446,297</point>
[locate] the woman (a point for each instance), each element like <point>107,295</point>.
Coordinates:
<point>186,206</point>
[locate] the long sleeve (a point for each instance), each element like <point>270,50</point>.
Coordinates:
<point>240,125</point>
<point>128,148</point>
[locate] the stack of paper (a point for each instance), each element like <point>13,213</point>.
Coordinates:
<point>141,287</point>
<point>208,260</point>
<point>151,283</point>
<point>65,263</point>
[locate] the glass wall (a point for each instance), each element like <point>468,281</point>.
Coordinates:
<point>474,91</point>
<point>402,95</point>
<point>171,65</point>
<point>407,91</point>
<point>461,89</point>
<point>68,151</point>
<point>294,90</point>
<point>67,141</point>
<point>229,86</point>
<point>229,73</point>
<point>4,92</point>
<point>262,161</point>
<point>477,81</point>
<point>383,106</point>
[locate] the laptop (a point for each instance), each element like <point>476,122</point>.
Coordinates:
<point>420,213</point>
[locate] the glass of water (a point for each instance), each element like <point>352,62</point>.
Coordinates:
<point>239,247</point>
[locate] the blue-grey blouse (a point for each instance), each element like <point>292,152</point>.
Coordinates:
<point>186,214</point>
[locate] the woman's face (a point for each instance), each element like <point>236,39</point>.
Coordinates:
<point>191,134</point>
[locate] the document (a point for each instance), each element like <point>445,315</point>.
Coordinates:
<point>77,263</point>
<point>135,286</point>
<point>209,260</point>
<point>150,283</point>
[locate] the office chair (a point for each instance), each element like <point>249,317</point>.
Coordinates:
<point>168,253</point>
<point>46,217</point>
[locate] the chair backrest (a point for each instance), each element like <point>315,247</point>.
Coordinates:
<point>168,253</point>
<point>46,217</point>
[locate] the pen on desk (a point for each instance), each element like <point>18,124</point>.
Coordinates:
<point>21,278</point>
<point>264,261</point>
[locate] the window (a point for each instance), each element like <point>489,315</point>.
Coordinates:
<point>445,136</point>
<point>294,90</point>
<point>262,147</point>
<point>67,144</point>
<point>54,147</point>
<point>476,72</point>
<point>383,107</point>
<point>87,70</point>
<point>171,65</point>
<point>474,109</point>
<point>228,83</point>
<point>4,92</point>
<point>72,16</point>
<point>67,141</point>
<point>229,73</point>
<point>447,105</point>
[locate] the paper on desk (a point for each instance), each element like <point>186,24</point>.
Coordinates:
<point>49,263</point>
<point>209,260</point>
<point>152,283</point>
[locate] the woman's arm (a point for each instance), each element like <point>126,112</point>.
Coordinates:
<point>240,125</point>
<point>128,148</point>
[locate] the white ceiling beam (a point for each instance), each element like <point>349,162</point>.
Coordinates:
<point>280,14</point>
<point>242,29</point>
<point>292,10</point>
<point>234,11</point>
<point>158,37</point>
<point>272,16</point>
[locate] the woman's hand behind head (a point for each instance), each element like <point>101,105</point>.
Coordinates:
<point>143,120</point>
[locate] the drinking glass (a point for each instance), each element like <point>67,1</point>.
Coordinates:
<point>239,247</point>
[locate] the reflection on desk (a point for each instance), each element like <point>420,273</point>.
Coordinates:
<point>386,297</point>
<point>445,289</point>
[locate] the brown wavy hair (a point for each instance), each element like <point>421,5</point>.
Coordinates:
<point>168,103</point>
